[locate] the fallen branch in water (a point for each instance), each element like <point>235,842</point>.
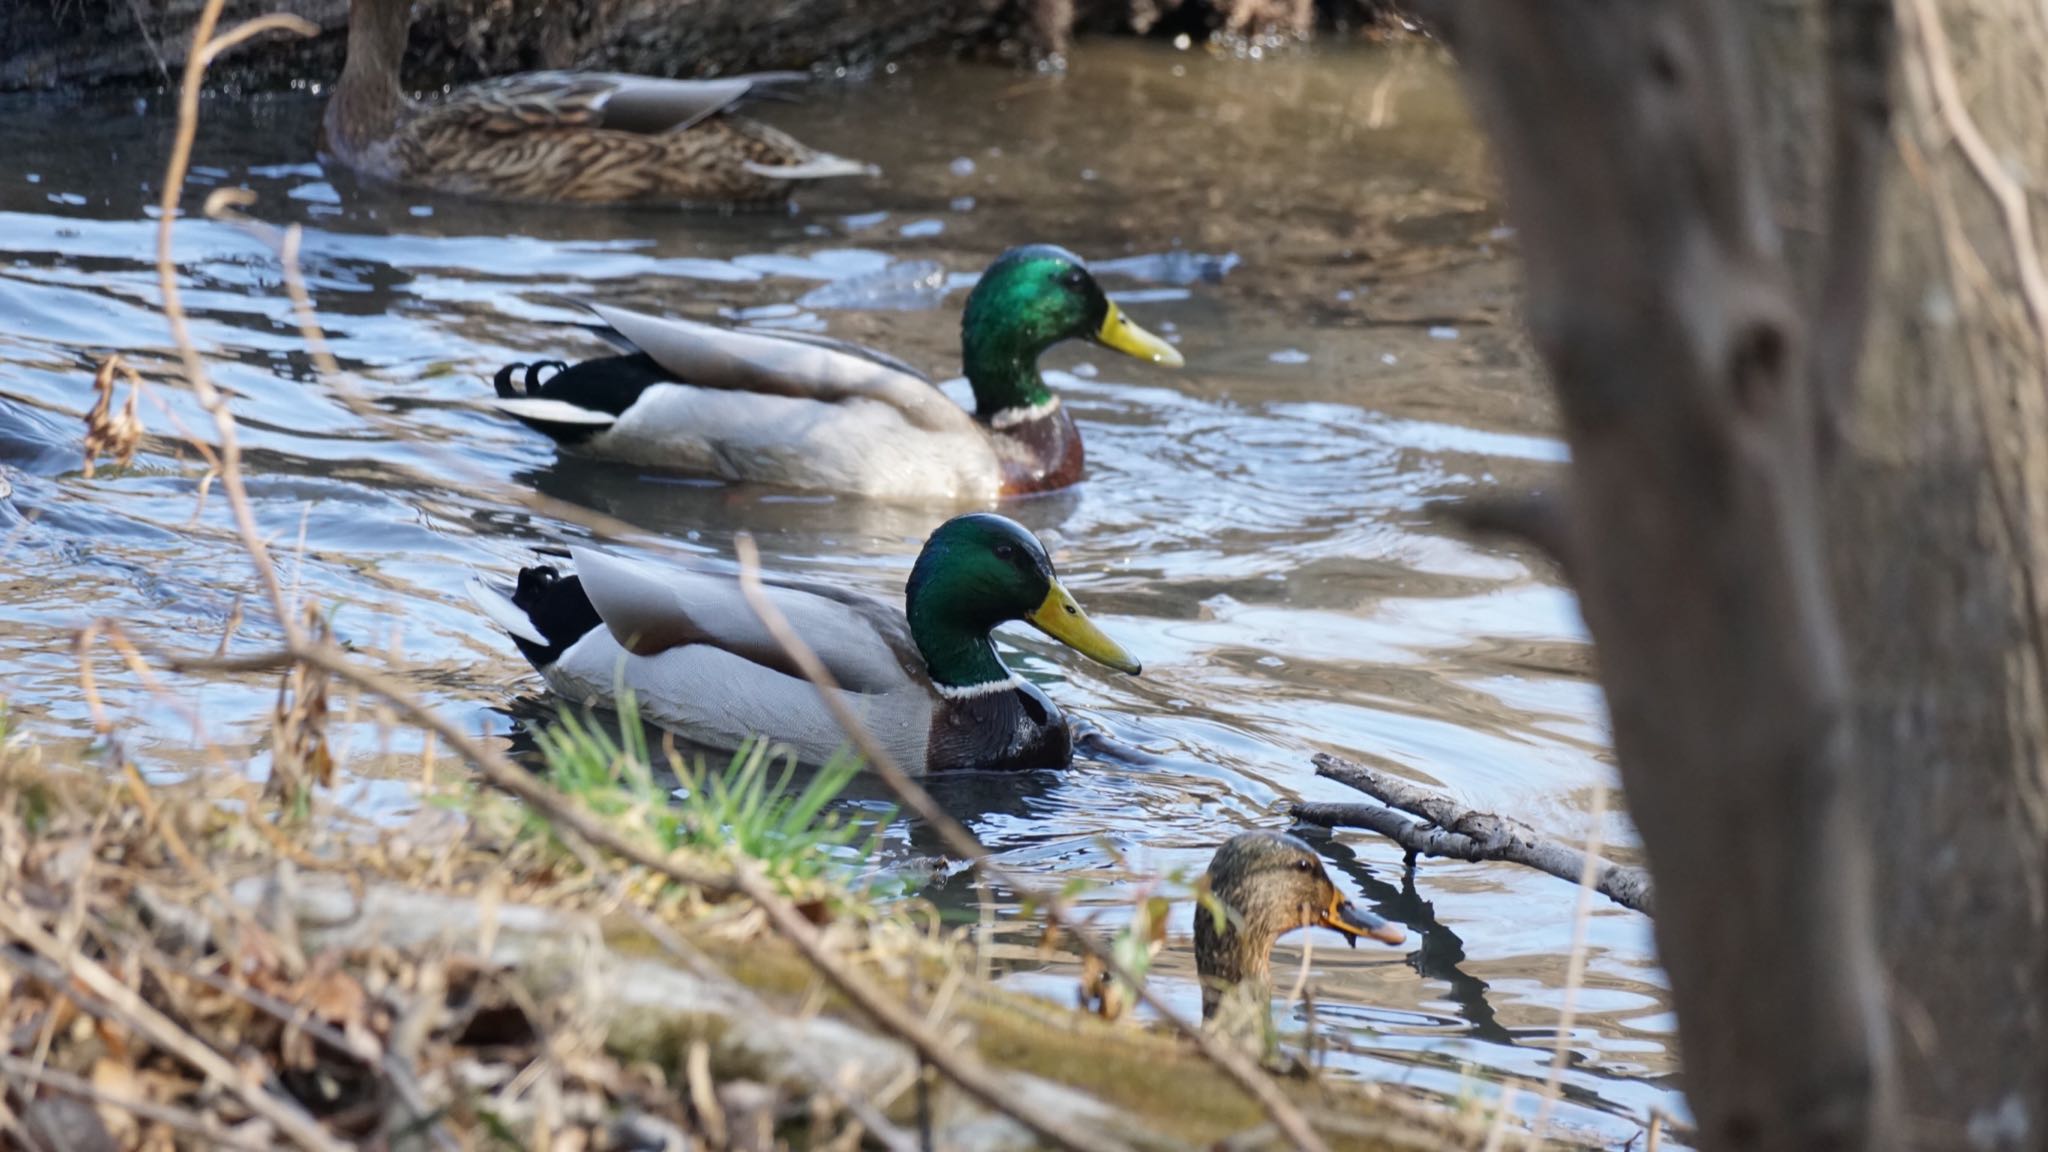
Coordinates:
<point>1451,830</point>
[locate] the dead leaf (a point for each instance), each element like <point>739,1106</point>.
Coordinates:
<point>110,433</point>
<point>115,1079</point>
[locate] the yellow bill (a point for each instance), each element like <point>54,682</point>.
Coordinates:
<point>1120,333</point>
<point>1062,619</point>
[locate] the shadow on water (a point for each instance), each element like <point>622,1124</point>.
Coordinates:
<point>1318,233</point>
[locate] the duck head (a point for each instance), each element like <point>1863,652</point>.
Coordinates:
<point>980,571</point>
<point>1030,299</point>
<point>1269,884</point>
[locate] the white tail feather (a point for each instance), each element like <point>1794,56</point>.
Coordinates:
<point>552,411</point>
<point>821,167</point>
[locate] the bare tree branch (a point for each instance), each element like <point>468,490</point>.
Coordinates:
<point>1450,830</point>
<point>958,840</point>
<point>1538,518</point>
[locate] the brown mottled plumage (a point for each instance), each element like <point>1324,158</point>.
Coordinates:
<point>1269,884</point>
<point>559,137</point>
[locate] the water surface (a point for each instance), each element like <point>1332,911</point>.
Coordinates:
<point>1319,234</point>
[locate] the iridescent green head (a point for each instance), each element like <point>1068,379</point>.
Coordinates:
<point>977,572</point>
<point>1030,299</point>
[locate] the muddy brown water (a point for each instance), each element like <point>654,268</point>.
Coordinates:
<point>1317,231</point>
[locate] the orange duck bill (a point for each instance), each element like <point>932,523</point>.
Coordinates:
<point>1353,922</point>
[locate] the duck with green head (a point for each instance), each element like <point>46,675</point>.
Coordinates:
<point>1267,884</point>
<point>927,680</point>
<point>804,411</point>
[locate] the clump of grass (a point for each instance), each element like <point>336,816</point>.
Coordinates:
<point>746,810</point>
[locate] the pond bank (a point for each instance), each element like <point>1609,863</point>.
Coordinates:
<point>467,978</point>
<point>48,45</point>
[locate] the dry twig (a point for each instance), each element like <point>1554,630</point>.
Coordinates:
<point>1575,967</point>
<point>122,1003</point>
<point>1284,1115</point>
<point>205,47</point>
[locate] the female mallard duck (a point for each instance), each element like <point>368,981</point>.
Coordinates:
<point>927,681</point>
<point>1269,884</point>
<point>806,412</point>
<point>559,137</point>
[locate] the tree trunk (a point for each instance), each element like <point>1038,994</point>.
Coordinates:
<point>1817,591</point>
<point>1939,510</point>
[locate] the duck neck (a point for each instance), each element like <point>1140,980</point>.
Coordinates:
<point>1236,956</point>
<point>368,99</point>
<point>1002,368</point>
<point>960,655</point>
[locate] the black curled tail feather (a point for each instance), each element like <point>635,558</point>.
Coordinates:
<point>503,382</point>
<point>509,390</point>
<point>559,610</point>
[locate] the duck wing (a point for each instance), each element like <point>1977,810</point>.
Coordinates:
<point>616,101</point>
<point>862,642</point>
<point>807,367</point>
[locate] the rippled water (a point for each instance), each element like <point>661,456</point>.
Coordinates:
<point>1316,231</point>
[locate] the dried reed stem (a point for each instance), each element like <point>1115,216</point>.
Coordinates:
<point>204,48</point>
<point>1575,968</point>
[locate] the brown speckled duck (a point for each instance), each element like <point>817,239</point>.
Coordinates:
<point>1270,884</point>
<point>559,137</point>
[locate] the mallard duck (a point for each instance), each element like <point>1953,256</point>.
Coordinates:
<point>802,411</point>
<point>927,680</point>
<point>560,137</point>
<point>1269,884</point>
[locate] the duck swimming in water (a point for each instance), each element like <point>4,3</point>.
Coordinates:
<point>926,680</point>
<point>1269,884</point>
<point>802,411</point>
<point>560,137</point>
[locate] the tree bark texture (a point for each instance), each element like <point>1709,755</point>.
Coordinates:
<point>1664,303</point>
<point>1936,493</point>
<point>1938,507</point>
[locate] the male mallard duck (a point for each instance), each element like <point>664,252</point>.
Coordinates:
<point>559,137</point>
<point>807,412</point>
<point>1270,884</point>
<point>927,681</point>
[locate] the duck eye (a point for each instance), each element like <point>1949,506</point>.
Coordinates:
<point>1304,865</point>
<point>1073,277</point>
<point>1006,552</point>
